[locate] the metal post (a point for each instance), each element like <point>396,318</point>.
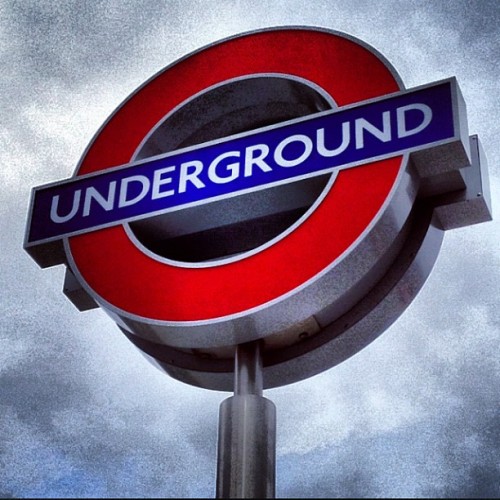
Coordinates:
<point>246,449</point>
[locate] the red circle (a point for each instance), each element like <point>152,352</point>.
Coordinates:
<point>118,272</point>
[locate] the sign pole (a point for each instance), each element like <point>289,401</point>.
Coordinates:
<point>246,448</point>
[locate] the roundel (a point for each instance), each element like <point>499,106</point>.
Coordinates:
<point>143,288</point>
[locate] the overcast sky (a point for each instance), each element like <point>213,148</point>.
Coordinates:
<point>83,414</point>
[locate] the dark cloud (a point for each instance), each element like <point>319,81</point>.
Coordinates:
<point>428,460</point>
<point>61,417</point>
<point>68,39</point>
<point>474,20</point>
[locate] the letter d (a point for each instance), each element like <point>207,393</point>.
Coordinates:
<point>123,201</point>
<point>401,119</point>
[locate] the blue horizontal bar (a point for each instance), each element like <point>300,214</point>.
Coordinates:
<point>281,153</point>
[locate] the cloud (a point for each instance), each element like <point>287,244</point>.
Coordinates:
<point>79,421</point>
<point>82,414</point>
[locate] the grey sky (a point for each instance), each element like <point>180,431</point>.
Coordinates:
<point>83,414</point>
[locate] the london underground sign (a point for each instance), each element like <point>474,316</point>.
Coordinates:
<point>279,185</point>
<point>254,160</point>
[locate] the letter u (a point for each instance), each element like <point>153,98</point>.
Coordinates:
<point>55,204</point>
<point>320,139</point>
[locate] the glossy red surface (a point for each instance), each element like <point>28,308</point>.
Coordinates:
<point>132,281</point>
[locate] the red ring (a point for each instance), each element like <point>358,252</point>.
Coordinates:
<point>118,272</point>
